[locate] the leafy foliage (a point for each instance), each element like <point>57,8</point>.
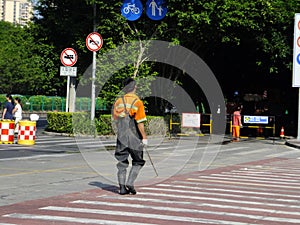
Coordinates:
<point>239,40</point>
<point>22,62</point>
<point>79,124</point>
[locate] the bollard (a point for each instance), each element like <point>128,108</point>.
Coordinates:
<point>26,133</point>
<point>7,128</point>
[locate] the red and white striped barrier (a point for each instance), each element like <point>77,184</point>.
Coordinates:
<point>7,128</point>
<point>26,134</point>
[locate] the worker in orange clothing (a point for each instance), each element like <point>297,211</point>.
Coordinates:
<point>132,141</point>
<point>236,124</point>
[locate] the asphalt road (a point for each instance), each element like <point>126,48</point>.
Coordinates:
<point>195,176</point>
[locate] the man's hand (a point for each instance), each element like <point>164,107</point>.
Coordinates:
<point>145,142</point>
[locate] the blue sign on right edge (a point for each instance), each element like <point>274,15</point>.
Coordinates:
<point>156,9</point>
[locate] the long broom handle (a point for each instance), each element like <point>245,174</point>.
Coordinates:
<point>150,160</point>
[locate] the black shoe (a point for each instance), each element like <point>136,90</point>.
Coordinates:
<point>123,190</point>
<point>131,189</point>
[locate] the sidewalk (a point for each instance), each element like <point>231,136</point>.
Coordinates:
<point>293,142</point>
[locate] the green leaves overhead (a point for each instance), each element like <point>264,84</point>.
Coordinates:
<point>22,62</point>
<point>220,31</point>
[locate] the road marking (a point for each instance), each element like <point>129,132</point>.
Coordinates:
<point>257,178</point>
<point>233,149</point>
<point>202,204</point>
<point>220,194</point>
<point>254,151</point>
<point>71,219</point>
<point>210,201</point>
<point>205,198</point>
<point>230,190</point>
<point>267,183</point>
<point>7,224</point>
<point>274,170</point>
<point>176,209</point>
<point>241,183</point>
<point>142,215</point>
<point>261,173</point>
<point>42,171</point>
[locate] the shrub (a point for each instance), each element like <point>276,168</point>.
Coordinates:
<point>70,123</point>
<point>80,123</point>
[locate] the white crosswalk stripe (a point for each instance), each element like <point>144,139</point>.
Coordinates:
<point>7,224</point>
<point>72,219</point>
<point>275,195</point>
<point>134,214</point>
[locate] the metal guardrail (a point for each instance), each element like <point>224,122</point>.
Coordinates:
<point>260,127</point>
<point>209,124</point>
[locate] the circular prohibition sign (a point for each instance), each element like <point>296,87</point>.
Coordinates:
<point>68,57</point>
<point>94,41</point>
<point>298,41</point>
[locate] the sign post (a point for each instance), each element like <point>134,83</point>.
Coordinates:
<point>68,58</point>
<point>296,64</point>
<point>93,42</point>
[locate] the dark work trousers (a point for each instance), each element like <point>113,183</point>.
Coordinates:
<point>122,154</point>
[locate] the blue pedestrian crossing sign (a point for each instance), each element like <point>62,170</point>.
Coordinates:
<point>132,9</point>
<point>156,9</point>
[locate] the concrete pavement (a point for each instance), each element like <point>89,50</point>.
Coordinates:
<point>293,142</point>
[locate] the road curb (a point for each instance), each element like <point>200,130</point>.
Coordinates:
<point>294,145</point>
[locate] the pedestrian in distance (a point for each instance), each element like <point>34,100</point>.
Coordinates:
<point>129,114</point>
<point>17,112</point>
<point>8,108</point>
<point>236,124</point>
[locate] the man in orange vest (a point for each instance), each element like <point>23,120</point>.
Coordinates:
<point>129,142</point>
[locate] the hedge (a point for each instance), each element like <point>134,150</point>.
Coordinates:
<point>80,123</point>
<point>54,103</point>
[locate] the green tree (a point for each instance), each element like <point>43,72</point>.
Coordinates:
<point>116,32</point>
<point>238,39</point>
<point>64,24</point>
<point>23,61</point>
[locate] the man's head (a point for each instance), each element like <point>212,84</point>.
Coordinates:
<point>129,85</point>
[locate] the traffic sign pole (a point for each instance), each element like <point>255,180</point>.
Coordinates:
<point>298,132</point>
<point>93,108</point>
<point>68,94</point>
<point>94,42</point>
<point>68,58</point>
<point>296,64</point>
<point>93,105</point>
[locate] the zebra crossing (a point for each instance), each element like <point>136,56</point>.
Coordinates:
<point>44,141</point>
<point>259,192</point>
<point>48,141</point>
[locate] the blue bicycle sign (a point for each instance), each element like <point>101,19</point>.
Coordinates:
<point>132,9</point>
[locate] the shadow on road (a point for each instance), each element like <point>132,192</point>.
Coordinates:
<point>106,187</point>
